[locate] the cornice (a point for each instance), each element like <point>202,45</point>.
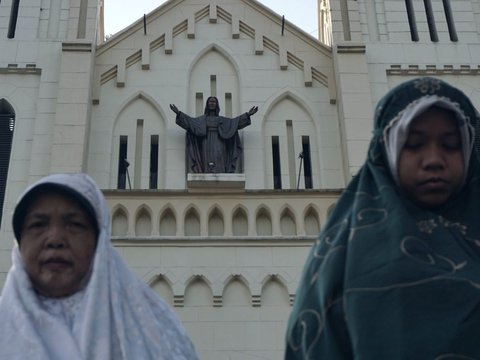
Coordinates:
<point>29,69</point>
<point>412,69</point>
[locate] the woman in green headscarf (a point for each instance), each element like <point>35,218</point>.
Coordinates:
<point>395,273</point>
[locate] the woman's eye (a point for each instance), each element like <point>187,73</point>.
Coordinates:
<point>77,225</point>
<point>35,225</point>
<point>412,145</point>
<point>452,145</point>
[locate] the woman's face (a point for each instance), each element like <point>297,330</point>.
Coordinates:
<point>431,167</point>
<point>57,244</point>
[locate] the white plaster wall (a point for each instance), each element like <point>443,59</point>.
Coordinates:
<point>253,79</point>
<point>390,57</point>
<point>31,73</point>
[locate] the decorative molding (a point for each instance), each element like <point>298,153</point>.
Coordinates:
<point>217,300</point>
<point>29,69</point>
<point>178,300</point>
<point>77,46</point>
<point>256,300</point>
<point>216,181</point>
<point>351,49</point>
<point>214,241</point>
<point>413,69</point>
<point>215,12</point>
<point>291,299</point>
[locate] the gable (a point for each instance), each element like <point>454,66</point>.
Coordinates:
<point>164,28</point>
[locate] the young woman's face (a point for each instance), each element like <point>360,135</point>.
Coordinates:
<point>57,244</point>
<point>431,167</point>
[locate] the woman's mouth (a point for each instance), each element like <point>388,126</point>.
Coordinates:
<point>434,184</point>
<point>56,263</point>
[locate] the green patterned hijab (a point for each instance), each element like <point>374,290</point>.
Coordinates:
<point>387,279</point>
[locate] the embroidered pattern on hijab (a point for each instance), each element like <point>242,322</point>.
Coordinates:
<point>116,316</point>
<point>387,279</point>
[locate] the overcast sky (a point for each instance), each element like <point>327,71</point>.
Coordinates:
<point>121,13</point>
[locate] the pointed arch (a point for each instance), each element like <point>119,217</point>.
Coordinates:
<point>288,223</point>
<point>240,221</point>
<point>198,292</point>
<point>236,291</point>
<point>281,95</point>
<point>289,128</point>
<point>163,287</point>
<point>222,51</point>
<point>168,221</point>
<point>192,221</point>
<point>311,218</point>
<point>263,219</point>
<point>139,135</point>
<point>216,224</point>
<point>119,220</point>
<point>275,292</point>
<point>7,128</point>
<point>143,221</point>
<point>225,80</point>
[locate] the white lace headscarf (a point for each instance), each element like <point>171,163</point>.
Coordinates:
<point>116,315</point>
<point>396,133</point>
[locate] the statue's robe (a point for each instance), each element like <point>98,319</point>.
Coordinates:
<point>212,143</point>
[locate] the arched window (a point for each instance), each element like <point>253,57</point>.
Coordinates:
<point>7,126</point>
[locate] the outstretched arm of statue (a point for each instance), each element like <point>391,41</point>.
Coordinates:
<point>174,108</point>
<point>253,110</point>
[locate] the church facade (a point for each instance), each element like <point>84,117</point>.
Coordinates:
<point>225,250</point>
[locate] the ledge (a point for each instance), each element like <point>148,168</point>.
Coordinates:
<point>216,181</point>
<point>77,46</point>
<point>29,69</point>
<point>303,241</point>
<point>351,48</point>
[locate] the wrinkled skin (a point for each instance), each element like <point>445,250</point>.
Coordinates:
<point>57,244</point>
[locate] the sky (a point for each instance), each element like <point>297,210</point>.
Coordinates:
<point>117,17</point>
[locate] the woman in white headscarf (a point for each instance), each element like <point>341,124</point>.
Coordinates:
<point>69,295</point>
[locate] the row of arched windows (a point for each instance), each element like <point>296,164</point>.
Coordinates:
<point>190,224</point>
<point>236,292</point>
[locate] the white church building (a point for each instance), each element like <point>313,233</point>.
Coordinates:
<point>225,250</point>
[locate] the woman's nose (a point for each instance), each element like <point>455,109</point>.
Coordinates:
<point>433,157</point>
<point>56,237</point>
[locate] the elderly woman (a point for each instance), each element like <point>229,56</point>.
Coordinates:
<point>69,295</point>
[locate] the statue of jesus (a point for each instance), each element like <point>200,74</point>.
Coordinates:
<point>213,144</point>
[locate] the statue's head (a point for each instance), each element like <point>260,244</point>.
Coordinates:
<point>212,105</point>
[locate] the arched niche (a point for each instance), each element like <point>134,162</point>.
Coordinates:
<point>192,222</point>
<point>198,293</point>
<point>216,226</point>
<point>240,222</point>
<point>168,223</point>
<point>143,222</point>
<point>138,137</point>
<point>119,222</point>
<point>236,292</point>
<point>263,222</point>
<point>290,120</point>
<point>161,285</point>
<point>312,222</point>
<point>274,292</point>
<point>217,65</point>
<point>287,223</point>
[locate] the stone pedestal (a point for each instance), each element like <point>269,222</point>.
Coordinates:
<point>216,181</point>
